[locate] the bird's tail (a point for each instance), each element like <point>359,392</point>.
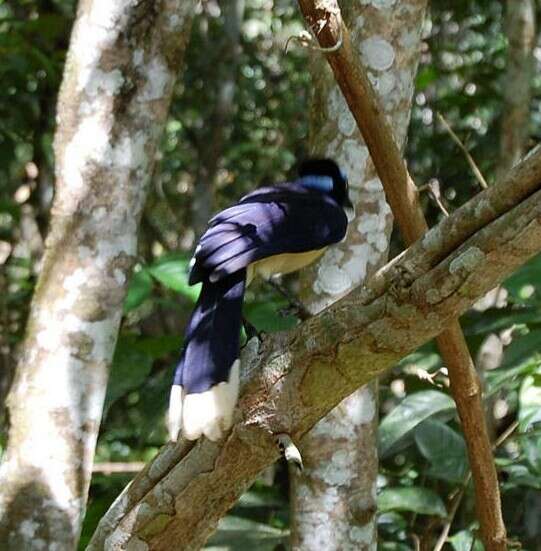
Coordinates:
<point>206,383</point>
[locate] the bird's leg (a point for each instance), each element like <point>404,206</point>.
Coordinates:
<point>299,309</point>
<point>250,329</point>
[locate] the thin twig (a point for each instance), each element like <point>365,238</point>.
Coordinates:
<point>475,169</point>
<point>306,40</point>
<point>433,188</point>
<point>505,434</point>
<point>454,508</point>
<point>118,467</point>
<point>300,310</point>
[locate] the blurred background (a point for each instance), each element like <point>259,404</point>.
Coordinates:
<point>238,120</point>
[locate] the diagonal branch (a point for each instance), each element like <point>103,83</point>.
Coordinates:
<point>294,379</point>
<point>324,18</point>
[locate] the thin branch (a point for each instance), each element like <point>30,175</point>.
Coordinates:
<point>433,188</point>
<point>402,196</point>
<point>111,467</point>
<point>506,434</point>
<point>306,40</point>
<point>452,513</point>
<point>475,169</point>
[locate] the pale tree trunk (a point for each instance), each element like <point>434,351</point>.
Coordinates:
<point>334,499</point>
<point>520,31</point>
<point>122,62</point>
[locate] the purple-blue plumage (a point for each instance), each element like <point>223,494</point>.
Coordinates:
<point>211,342</point>
<point>269,221</point>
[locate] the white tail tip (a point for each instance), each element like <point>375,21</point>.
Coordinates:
<point>174,417</point>
<point>208,413</point>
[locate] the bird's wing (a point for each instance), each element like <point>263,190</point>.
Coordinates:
<point>267,222</point>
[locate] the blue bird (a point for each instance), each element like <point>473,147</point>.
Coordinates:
<point>273,230</point>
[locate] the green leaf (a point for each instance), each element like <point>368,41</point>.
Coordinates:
<point>152,403</point>
<point>463,541</point>
<point>494,320</point>
<point>158,347</point>
<point>521,475</point>
<point>416,499</point>
<point>444,448</point>
<point>530,400</point>
<point>139,290</point>
<point>172,271</point>
<point>266,316</point>
<point>130,368</point>
<point>241,533</point>
<point>524,285</point>
<point>531,447</point>
<point>422,359</point>
<point>523,349</point>
<point>425,77</point>
<point>412,411</point>
<point>508,378</point>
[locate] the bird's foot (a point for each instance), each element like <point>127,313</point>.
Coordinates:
<point>289,450</point>
<point>295,307</point>
<point>251,330</point>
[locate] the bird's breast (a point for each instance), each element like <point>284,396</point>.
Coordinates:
<point>282,264</point>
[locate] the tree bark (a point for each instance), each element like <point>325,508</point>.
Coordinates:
<point>122,62</point>
<point>520,30</point>
<point>333,499</point>
<point>292,380</point>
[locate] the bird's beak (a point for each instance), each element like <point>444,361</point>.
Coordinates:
<point>349,209</point>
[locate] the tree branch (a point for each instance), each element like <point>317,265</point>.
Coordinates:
<point>325,20</point>
<point>294,379</point>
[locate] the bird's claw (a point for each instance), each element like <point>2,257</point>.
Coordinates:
<point>289,450</point>
<point>251,330</point>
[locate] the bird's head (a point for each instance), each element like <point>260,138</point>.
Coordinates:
<point>325,175</point>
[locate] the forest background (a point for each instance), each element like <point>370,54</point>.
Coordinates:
<point>239,118</point>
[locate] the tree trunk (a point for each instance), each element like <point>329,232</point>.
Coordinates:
<point>333,500</point>
<point>520,30</point>
<point>122,62</point>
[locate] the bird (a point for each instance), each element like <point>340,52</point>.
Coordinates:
<point>273,230</point>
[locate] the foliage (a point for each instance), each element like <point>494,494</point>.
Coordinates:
<point>423,455</point>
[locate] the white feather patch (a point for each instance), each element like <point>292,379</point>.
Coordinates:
<point>174,418</point>
<point>208,413</point>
